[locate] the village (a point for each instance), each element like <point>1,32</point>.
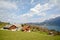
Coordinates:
<point>28,28</point>
<point>16,27</point>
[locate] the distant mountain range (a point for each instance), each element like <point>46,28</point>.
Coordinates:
<point>55,21</point>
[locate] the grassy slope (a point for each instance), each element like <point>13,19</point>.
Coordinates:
<point>9,35</point>
<point>2,24</point>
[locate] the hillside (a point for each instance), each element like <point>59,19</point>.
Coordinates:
<point>3,24</point>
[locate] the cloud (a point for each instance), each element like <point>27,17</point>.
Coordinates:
<point>31,16</point>
<point>7,11</point>
<point>8,5</point>
<point>42,19</point>
<point>38,10</point>
<point>42,14</point>
<point>26,15</point>
<point>7,18</point>
<point>37,19</point>
<point>32,1</point>
<point>53,16</point>
<point>55,2</point>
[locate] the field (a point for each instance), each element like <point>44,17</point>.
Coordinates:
<point>19,35</point>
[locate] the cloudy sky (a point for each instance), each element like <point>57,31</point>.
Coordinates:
<point>25,11</point>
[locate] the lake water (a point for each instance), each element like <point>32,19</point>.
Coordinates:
<point>57,28</point>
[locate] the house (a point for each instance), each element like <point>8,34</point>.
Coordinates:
<point>16,27</point>
<point>26,28</point>
<point>12,28</point>
<point>19,26</point>
<point>6,27</point>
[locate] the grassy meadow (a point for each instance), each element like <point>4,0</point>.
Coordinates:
<point>19,35</point>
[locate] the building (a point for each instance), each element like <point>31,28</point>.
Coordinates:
<point>26,28</point>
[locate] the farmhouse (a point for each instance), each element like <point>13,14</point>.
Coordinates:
<point>26,28</point>
<point>14,27</point>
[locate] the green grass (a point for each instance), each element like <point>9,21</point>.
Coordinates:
<point>18,35</point>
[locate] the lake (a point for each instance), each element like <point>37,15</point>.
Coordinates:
<point>57,28</point>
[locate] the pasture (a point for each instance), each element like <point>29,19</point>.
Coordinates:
<point>19,35</point>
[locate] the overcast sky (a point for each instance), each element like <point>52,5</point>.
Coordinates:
<point>25,11</point>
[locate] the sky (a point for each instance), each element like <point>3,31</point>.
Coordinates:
<point>27,11</point>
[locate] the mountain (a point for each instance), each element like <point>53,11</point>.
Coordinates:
<point>55,21</point>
